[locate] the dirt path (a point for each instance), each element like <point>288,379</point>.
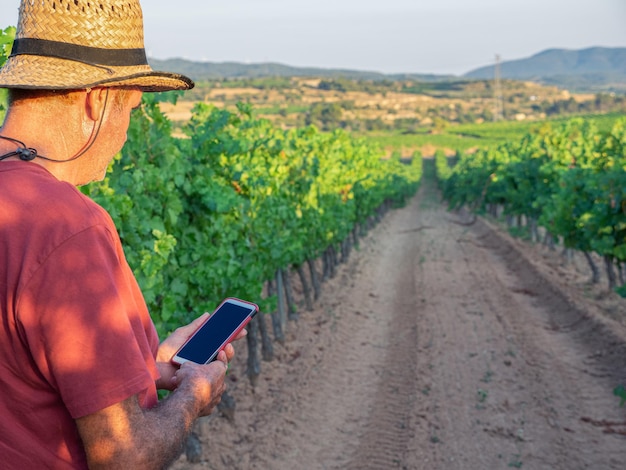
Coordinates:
<point>439,345</point>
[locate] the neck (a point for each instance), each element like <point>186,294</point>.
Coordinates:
<point>22,152</point>
<point>36,125</point>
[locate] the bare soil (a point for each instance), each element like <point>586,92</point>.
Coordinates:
<point>440,344</point>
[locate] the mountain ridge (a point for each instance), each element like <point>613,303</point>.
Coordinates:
<point>599,63</point>
<point>230,69</point>
<point>591,69</point>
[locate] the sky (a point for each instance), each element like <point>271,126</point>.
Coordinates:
<point>388,36</point>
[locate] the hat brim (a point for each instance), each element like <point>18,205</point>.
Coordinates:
<point>50,73</point>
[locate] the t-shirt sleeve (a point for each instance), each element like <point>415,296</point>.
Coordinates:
<point>88,333</point>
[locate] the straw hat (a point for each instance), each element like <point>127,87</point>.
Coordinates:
<point>77,44</point>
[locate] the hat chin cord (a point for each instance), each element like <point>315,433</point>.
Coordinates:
<point>28,154</point>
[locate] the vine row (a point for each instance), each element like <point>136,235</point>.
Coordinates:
<point>570,180</point>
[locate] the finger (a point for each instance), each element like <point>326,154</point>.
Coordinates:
<point>198,321</point>
<point>222,356</point>
<point>242,334</point>
<point>189,328</point>
<point>180,374</point>
<point>225,362</point>
<point>230,352</point>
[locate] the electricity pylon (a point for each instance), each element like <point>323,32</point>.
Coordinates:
<point>498,113</point>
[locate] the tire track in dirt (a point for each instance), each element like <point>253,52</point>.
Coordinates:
<point>386,435</point>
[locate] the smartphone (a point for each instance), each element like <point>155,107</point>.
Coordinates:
<point>216,332</point>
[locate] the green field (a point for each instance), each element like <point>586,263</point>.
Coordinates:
<point>464,137</point>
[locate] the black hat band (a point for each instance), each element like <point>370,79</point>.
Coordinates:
<point>85,54</point>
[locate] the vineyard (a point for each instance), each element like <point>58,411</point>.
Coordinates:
<point>570,180</point>
<point>401,325</point>
<point>441,343</point>
<point>226,210</point>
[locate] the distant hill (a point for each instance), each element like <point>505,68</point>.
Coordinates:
<point>595,68</point>
<point>587,70</point>
<point>217,70</point>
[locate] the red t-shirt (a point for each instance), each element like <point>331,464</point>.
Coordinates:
<point>75,333</point>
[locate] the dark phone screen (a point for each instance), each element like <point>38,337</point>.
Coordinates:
<point>207,341</point>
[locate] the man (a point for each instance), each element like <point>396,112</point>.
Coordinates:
<point>80,361</point>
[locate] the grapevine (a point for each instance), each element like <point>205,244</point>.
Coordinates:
<point>219,213</point>
<point>569,179</point>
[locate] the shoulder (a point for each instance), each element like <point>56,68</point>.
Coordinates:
<point>34,198</point>
<point>41,216</point>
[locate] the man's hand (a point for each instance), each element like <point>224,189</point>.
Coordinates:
<point>172,343</point>
<point>205,382</point>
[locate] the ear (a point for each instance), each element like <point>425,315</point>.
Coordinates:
<point>95,102</point>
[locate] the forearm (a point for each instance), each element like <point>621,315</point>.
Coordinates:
<point>165,430</point>
<point>127,436</point>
